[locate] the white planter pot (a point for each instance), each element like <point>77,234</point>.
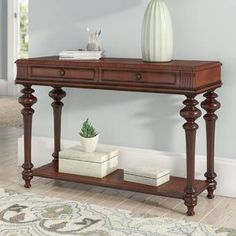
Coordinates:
<point>157,33</point>
<point>89,144</point>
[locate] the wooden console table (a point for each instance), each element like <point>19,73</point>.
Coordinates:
<point>188,78</point>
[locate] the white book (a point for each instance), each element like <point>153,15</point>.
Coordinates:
<point>81,59</point>
<point>81,54</point>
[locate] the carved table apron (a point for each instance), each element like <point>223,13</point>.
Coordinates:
<point>188,78</point>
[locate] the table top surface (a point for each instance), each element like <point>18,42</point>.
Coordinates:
<point>178,64</point>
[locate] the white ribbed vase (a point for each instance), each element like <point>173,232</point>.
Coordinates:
<point>157,33</point>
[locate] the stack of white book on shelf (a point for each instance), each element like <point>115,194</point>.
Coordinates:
<point>80,55</point>
<point>153,176</point>
<point>98,164</point>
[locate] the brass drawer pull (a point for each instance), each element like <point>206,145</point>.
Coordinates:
<point>62,72</point>
<point>138,77</point>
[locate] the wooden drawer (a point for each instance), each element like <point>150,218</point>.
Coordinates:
<point>70,73</point>
<point>147,77</point>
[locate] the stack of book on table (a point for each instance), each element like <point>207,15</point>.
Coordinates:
<point>153,176</point>
<point>80,55</point>
<point>98,164</point>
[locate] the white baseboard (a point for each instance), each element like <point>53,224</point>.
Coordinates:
<point>3,87</point>
<point>42,149</point>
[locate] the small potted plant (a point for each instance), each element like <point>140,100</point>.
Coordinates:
<point>88,137</point>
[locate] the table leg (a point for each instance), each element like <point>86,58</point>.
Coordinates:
<point>190,113</point>
<point>57,94</point>
<point>210,105</point>
<point>27,100</point>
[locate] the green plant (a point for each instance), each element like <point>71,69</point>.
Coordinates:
<point>24,28</point>
<point>88,131</point>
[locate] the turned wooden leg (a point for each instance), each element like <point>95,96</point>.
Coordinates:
<point>190,113</point>
<point>210,105</point>
<point>27,100</point>
<point>57,94</point>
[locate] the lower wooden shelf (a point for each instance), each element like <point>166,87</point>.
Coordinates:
<point>174,188</point>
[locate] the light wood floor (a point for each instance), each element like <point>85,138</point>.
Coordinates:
<point>220,212</point>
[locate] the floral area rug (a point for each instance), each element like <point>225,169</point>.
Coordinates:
<point>29,214</point>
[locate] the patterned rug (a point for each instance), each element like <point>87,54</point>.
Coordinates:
<point>10,112</point>
<point>26,214</point>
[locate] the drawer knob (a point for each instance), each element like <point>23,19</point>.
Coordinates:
<point>138,76</point>
<point>62,72</point>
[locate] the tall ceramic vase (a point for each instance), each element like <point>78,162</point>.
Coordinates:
<point>157,34</point>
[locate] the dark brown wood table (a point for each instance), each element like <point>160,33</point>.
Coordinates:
<point>188,78</point>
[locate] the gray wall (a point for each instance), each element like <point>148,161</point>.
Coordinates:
<point>203,29</point>
<point>3,39</point>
